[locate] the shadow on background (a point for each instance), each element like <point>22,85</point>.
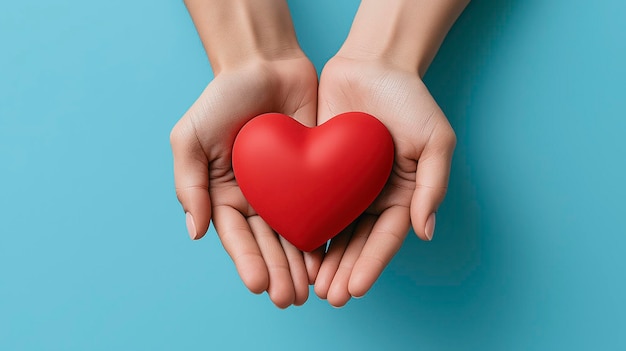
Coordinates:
<point>455,288</point>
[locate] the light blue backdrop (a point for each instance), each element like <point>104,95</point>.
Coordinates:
<point>529,249</point>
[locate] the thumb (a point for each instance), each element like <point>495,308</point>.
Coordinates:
<point>431,181</point>
<point>191,177</point>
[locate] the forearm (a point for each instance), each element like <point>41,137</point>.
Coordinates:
<point>406,33</point>
<point>235,31</point>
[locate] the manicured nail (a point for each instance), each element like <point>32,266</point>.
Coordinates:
<point>430,226</point>
<point>191,226</point>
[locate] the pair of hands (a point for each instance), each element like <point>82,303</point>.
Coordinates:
<point>206,187</point>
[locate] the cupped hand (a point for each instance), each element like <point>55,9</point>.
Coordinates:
<point>205,184</point>
<point>424,143</point>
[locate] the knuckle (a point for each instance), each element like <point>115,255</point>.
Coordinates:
<point>182,192</point>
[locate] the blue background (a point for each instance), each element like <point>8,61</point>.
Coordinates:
<point>529,249</point>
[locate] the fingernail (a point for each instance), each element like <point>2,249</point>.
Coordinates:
<point>191,226</point>
<point>430,226</point>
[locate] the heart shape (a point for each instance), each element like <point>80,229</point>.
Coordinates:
<point>308,184</point>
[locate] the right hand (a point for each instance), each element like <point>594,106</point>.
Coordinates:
<point>202,142</point>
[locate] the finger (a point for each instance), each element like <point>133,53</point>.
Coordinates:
<point>431,181</point>
<point>298,271</point>
<point>191,178</point>
<point>238,241</point>
<point>384,241</point>
<point>338,293</point>
<point>313,262</point>
<point>280,288</point>
<point>329,265</point>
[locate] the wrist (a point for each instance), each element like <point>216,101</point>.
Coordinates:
<point>235,33</point>
<point>375,35</point>
<point>404,33</point>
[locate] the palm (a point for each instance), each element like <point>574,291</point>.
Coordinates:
<point>400,100</point>
<point>231,100</point>
<point>202,143</point>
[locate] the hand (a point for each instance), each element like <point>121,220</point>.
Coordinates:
<point>424,142</point>
<point>205,184</point>
<point>378,70</point>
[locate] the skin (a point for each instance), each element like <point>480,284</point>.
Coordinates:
<point>260,68</point>
<point>378,70</point>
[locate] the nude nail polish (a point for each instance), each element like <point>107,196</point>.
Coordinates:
<point>430,226</point>
<point>191,226</point>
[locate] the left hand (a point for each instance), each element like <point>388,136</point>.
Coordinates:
<point>424,143</point>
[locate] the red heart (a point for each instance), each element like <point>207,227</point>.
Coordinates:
<point>308,184</point>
